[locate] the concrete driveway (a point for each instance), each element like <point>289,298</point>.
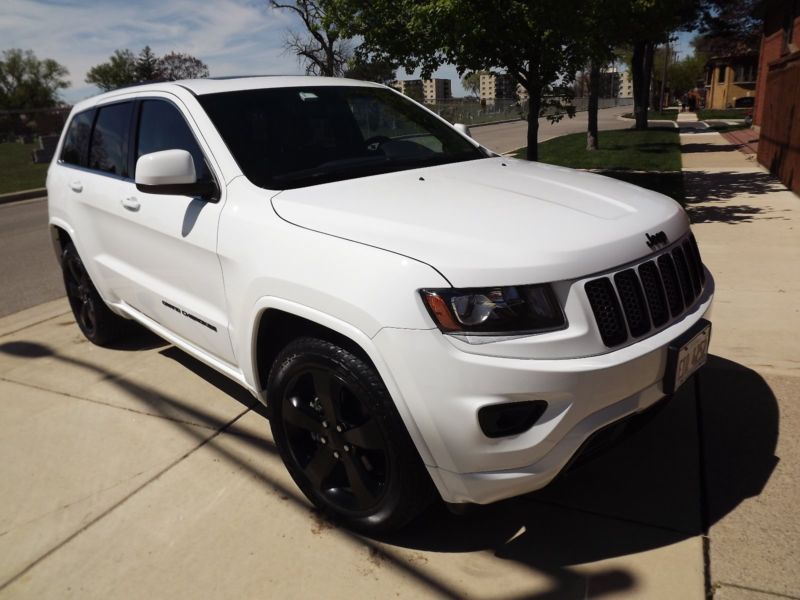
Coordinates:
<point>139,472</point>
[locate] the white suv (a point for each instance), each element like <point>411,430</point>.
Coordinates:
<point>420,313</point>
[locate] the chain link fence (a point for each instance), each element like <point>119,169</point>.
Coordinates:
<point>472,111</point>
<point>24,126</point>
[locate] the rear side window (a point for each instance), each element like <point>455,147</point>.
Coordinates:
<point>76,143</point>
<point>162,127</point>
<point>108,150</point>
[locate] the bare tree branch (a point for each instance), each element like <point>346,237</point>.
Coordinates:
<point>320,48</point>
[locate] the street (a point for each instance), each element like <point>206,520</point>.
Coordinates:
<point>507,137</point>
<point>29,271</point>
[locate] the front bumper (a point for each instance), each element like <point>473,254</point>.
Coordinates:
<point>443,388</point>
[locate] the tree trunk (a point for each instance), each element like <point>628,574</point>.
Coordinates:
<point>534,106</point>
<point>641,67</point>
<point>592,141</point>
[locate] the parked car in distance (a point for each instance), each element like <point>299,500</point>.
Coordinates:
<point>744,102</point>
<point>423,317</point>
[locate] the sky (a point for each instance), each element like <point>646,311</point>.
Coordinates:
<point>233,37</point>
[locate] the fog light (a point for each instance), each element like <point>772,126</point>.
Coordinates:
<point>510,418</point>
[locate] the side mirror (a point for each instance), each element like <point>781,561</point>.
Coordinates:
<point>171,172</point>
<point>463,129</point>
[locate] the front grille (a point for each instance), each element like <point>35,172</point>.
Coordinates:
<point>636,300</point>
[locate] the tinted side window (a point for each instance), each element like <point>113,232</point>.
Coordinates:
<point>76,143</point>
<point>162,127</point>
<point>108,150</point>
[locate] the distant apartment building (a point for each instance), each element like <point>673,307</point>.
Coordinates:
<point>625,85</point>
<point>436,89</point>
<point>610,83</point>
<point>427,90</point>
<point>500,85</point>
<point>410,87</point>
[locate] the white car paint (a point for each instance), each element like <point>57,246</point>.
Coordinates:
<point>352,256</point>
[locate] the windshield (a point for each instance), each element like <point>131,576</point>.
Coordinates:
<point>293,137</point>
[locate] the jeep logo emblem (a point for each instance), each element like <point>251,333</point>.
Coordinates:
<point>656,240</point>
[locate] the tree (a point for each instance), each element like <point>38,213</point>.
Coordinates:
<point>367,69</point>
<point>729,28</point>
<point>147,67</point>
<point>321,48</point>
<point>123,68</point>
<point>686,74</point>
<point>649,23</point>
<point>599,32</point>
<point>472,82</point>
<point>533,41</point>
<point>28,82</point>
<point>175,65</point>
<point>120,70</point>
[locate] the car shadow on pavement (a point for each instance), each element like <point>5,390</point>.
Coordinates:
<point>686,469</point>
<point>708,193</point>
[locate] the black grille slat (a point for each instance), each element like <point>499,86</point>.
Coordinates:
<point>646,296</point>
<point>654,293</point>
<point>632,299</point>
<point>683,275</point>
<point>694,268</point>
<point>697,259</point>
<point>607,311</point>
<point>671,286</point>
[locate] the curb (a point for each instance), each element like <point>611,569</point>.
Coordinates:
<point>23,195</point>
<point>496,123</point>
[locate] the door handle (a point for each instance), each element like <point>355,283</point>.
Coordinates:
<point>76,186</point>
<point>131,204</point>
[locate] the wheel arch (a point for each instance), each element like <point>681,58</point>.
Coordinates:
<point>279,321</point>
<point>60,237</point>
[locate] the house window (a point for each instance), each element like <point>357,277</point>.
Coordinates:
<point>721,73</point>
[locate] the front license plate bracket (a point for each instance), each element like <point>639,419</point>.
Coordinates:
<point>686,355</point>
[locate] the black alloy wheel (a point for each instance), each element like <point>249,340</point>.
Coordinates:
<point>94,318</point>
<point>342,439</point>
<point>79,293</point>
<point>334,440</point>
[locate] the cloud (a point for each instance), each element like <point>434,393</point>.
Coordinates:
<point>234,37</point>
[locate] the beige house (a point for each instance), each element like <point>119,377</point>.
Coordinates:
<point>729,79</point>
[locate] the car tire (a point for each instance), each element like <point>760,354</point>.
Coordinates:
<point>342,439</point>
<point>94,318</point>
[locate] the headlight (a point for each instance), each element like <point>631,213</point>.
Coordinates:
<point>498,310</point>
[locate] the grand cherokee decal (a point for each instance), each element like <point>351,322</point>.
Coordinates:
<point>188,315</point>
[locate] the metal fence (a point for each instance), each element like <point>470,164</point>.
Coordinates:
<point>476,112</point>
<point>26,125</point>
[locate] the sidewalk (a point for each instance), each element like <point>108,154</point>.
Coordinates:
<point>747,226</point>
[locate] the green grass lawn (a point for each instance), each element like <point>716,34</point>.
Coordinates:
<point>730,113</point>
<point>17,171</point>
<point>657,115</point>
<point>650,159</point>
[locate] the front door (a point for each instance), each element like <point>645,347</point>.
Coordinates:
<point>164,247</point>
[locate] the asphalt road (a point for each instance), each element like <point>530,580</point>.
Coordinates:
<point>28,269</point>
<point>29,272</point>
<point>506,137</point>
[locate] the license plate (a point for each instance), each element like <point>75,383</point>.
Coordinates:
<point>687,354</point>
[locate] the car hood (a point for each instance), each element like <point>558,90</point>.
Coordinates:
<point>492,221</point>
